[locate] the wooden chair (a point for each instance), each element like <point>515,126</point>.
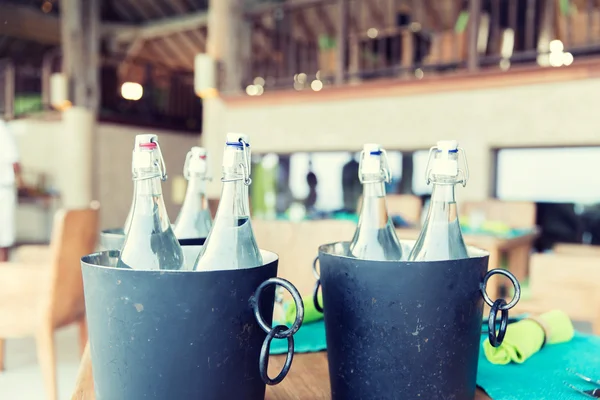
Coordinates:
<point>567,282</point>
<point>84,386</point>
<point>39,296</point>
<point>297,244</point>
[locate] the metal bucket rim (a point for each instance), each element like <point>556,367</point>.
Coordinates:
<point>269,258</point>
<point>328,249</point>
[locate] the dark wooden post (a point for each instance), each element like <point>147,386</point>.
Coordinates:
<point>342,40</point>
<point>474,17</point>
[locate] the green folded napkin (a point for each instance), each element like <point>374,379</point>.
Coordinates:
<point>310,312</point>
<point>526,337</point>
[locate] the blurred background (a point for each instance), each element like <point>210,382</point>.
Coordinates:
<point>516,82</point>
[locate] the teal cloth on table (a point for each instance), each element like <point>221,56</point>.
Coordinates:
<point>541,377</point>
<point>505,234</point>
<point>309,338</point>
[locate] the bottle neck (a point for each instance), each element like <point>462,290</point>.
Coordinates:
<point>443,191</point>
<point>442,205</point>
<point>373,210</point>
<point>149,202</point>
<point>196,191</point>
<point>374,190</point>
<point>234,195</point>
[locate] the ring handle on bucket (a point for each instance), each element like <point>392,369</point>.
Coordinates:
<point>264,356</point>
<point>317,286</point>
<point>496,338</point>
<point>278,332</point>
<point>297,299</point>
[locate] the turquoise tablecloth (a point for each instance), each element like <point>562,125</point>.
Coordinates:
<point>541,377</point>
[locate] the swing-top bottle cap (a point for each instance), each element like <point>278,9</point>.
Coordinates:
<point>197,160</point>
<point>236,138</point>
<point>372,149</point>
<point>372,162</point>
<point>443,163</point>
<point>145,144</point>
<point>145,141</point>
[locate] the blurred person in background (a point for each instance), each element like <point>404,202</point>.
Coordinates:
<point>10,180</point>
<point>351,185</point>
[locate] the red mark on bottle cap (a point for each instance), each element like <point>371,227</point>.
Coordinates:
<point>203,157</point>
<point>149,145</point>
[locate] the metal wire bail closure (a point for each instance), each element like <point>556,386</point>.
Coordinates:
<point>463,173</point>
<point>246,165</point>
<point>384,171</point>
<point>160,164</point>
<point>162,167</point>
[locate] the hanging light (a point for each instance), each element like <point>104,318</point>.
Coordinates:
<point>132,91</point>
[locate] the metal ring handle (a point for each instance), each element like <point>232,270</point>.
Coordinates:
<point>314,268</point>
<point>264,356</point>
<point>497,338</point>
<point>316,297</point>
<point>297,299</point>
<point>514,281</point>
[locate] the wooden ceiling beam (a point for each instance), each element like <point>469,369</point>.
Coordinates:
<point>159,28</point>
<point>324,18</point>
<point>168,41</point>
<point>29,24</point>
<point>301,20</point>
<point>178,6</point>
<point>433,13</point>
<point>377,16</point>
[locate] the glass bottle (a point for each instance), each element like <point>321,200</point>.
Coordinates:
<point>231,243</point>
<point>194,220</point>
<point>150,243</point>
<point>441,237</point>
<point>375,237</point>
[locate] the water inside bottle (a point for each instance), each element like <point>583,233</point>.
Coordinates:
<point>444,239</point>
<point>156,253</point>
<point>376,237</point>
<point>236,248</point>
<point>149,246</point>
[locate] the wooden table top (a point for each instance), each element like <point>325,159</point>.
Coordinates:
<point>309,379</point>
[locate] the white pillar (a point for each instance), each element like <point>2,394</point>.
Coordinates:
<point>76,158</point>
<point>213,139</point>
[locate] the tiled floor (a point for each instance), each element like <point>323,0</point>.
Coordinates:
<point>22,379</point>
